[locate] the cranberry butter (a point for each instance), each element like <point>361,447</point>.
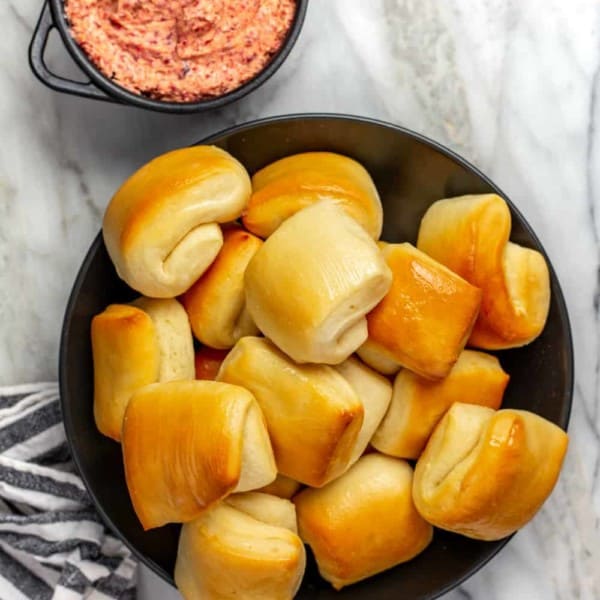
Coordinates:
<point>180,50</point>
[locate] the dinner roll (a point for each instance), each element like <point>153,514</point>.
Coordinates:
<point>418,404</point>
<point>241,550</point>
<point>208,362</point>
<point>187,444</point>
<point>313,414</point>
<point>377,358</point>
<point>126,357</point>
<point>132,346</point>
<point>364,522</point>
<point>216,303</point>
<point>484,474</point>
<point>375,393</point>
<point>470,235</point>
<point>283,487</point>
<point>161,227</point>
<point>174,337</point>
<point>288,185</point>
<point>266,507</point>
<point>310,285</point>
<point>424,321</point>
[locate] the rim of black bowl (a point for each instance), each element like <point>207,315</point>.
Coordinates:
<point>559,298</point>
<point>127,97</point>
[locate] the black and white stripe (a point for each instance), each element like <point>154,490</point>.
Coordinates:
<point>53,546</point>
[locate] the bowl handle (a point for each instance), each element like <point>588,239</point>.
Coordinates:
<point>38,65</point>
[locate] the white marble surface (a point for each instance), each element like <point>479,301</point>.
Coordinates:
<point>513,85</point>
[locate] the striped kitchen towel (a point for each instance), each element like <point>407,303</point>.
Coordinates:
<point>53,545</point>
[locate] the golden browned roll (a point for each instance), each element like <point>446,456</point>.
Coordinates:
<point>288,185</point>
<point>133,346</point>
<point>187,444</point>
<point>126,357</point>
<point>423,323</point>
<point>241,549</point>
<point>208,362</point>
<point>484,474</point>
<point>313,415</point>
<point>364,522</point>
<point>376,357</point>
<point>216,303</point>
<point>310,285</point>
<point>418,404</point>
<point>470,235</point>
<point>375,393</point>
<point>282,487</point>
<point>161,227</point>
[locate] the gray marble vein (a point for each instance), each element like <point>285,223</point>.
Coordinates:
<point>513,85</point>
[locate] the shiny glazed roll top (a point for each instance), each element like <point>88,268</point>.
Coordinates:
<point>312,282</point>
<point>423,323</point>
<point>313,414</point>
<point>484,474</point>
<point>161,228</point>
<point>288,185</point>
<point>188,444</point>
<point>470,235</point>
<point>364,522</point>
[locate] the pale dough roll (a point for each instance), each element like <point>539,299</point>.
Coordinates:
<point>418,404</point>
<point>187,444</point>
<point>288,185</point>
<point>363,523</point>
<point>161,227</point>
<point>424,321</point>
<point>310,285</point>
<point>375,393</point>
<point>216,303</point>
<point>313,414</point>
<point>265,507</point>
<point>470,235</point>
<point>233,553</point>
<point>484,474</point>
<point>174,337</point>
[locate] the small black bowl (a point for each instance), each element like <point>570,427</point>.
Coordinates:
<point>100,87</point>
<point>410,172</point>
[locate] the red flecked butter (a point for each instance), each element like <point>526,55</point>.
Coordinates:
<point>180,50</point>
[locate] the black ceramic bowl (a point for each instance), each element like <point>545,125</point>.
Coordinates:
<point>410,172</point>
<point>100,87</point>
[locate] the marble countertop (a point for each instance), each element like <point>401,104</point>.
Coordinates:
<point>512,86</point>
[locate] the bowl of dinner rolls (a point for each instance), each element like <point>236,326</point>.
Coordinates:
<point>316,356</point>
